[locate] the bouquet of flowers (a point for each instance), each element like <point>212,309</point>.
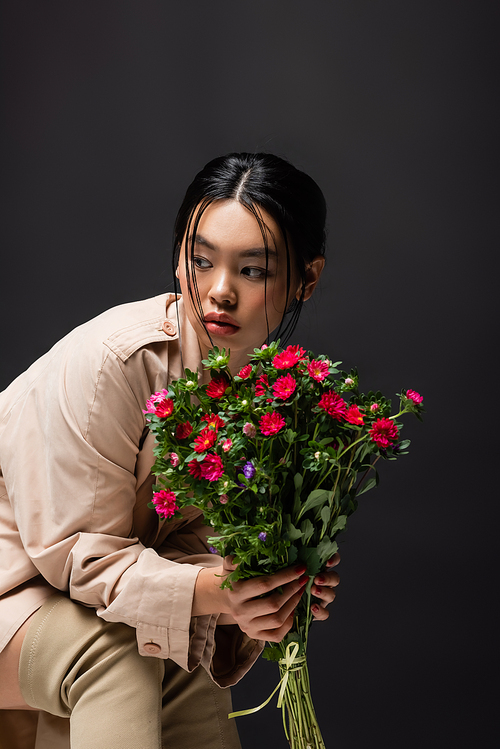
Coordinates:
<point>275,457</point>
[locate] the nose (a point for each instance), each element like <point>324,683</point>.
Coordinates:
<point>223,290</point>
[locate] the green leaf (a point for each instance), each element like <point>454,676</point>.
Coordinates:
<point>316,497</point>
<point>326,549</point>
<point>325,517</point>
<point>367,486</point>
<point>297,480</point>
<point>291,531</point>
<point>311,558</point>
<point>339,524</point>
<point>307,529</point>
<point>271,653</point>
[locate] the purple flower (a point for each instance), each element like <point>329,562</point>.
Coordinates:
<point>212,550</point>
<point>249,470</point>
<point>262,536</point>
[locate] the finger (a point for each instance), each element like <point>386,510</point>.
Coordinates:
<point>333,561</point>
<point>264,585</point>
<point>274,627</point>
<point>275,601</point>
<point>228,563</point>
<point>319,612</point>
<point>330,579</point>
<point>326,595</point>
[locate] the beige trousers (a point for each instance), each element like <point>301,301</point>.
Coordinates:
<point>77,666</point>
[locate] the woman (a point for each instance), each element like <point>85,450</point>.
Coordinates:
<point>75,456</point>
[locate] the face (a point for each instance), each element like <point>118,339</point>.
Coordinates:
<point>230,268</point>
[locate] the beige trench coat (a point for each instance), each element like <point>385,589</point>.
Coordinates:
<point>75,481</point>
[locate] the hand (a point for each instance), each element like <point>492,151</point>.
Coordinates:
<point>269,617</point>
<point>255,605</point>
<point>323,588</point>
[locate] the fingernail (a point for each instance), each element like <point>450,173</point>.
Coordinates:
<point>319,580</point>
<point>300,569</point>
<point>315,609</point>
<point>303,580</point>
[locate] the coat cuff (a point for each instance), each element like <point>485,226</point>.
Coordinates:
<point>157,601</point>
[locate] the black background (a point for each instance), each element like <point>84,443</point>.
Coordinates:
<point>109,110</point>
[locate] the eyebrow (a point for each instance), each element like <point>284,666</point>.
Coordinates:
<point>252,252</point>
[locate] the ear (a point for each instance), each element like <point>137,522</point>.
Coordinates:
<point>177,272</point>
<point>313,272</point>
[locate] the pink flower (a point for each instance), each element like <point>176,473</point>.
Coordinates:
<point>354,415</point>
<point>183,430</point>
<point>289,357</point>
<point>212,468</point>
<point>384,432</point>
<point>249,430</point>
<point>318,369</point>
<point>159,404</point>
<point>217,386</point>
<point>165,503</point>
<point>227,445</point>
<point>213,420</point>
<point>348,381</point>
<point>223,499</point>
<point>205,440</point>
<point>374,407</point>
<point>194,468</point>
<point>245,372</point>
<point>333,404</point>
<point>174,459</point>
<point>413,396</point>
<point>261,385</point>
<point>271,423</point>
<point>284,387</point>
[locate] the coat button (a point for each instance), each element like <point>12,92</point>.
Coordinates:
<point>152,648</point>
<point>168,327</point>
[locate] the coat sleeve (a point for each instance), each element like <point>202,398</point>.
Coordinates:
<point>70,449</point>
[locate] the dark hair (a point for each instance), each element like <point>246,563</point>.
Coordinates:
<point>258,180</point>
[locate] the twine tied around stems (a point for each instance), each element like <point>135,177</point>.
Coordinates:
<point>289,663</point>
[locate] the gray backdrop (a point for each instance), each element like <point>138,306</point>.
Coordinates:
<point>109,110</point>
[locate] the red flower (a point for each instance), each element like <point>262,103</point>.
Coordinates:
<point>165,503</point>
<point>318,369</point>
<point>183,430</point>
<point>212,468</point>
<point>205,440</point>
<point>213,420</point>
<point>289,357</point>
<point>245,372</point>
<point>271,423</point>
<point>217,386</point>
<point>159,405</point>
<point>284,387</point>
<point>194,468</point>
<point>333,404</point>
<point>354,415</point>
<point>384,432</point>
<point>261,385</point>
<point>413,396</point>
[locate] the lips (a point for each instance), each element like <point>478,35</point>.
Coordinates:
<point>219,323</point>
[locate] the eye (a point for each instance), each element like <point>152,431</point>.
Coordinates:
<point>201,262</point>
<point>254,272</point>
